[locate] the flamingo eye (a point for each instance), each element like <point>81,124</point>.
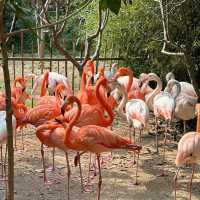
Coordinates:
<point>191,155</point>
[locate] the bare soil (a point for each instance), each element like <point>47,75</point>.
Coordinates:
<point>118,173</point>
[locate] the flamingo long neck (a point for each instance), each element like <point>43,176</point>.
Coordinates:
<point>109,120</point>
<point>178,88</point>
<point>67,140</point>
<point>156,91</point>
<point>83,80</point>
<point>44,84</point>
<point>130,80</point>
<point>122,104</point>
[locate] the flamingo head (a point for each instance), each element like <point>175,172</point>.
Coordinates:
<point>122,71</point>
<point>169,76</point>
<point>89,70</point>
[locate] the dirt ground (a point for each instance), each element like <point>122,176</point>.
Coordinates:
<point>118,173</point>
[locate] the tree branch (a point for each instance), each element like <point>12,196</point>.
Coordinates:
<point>52,24</point>
<point>103,24</point>
<point>166,35</point>
<point>12,26</point>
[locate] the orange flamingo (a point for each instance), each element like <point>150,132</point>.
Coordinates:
<point>188,152</point>
<point>92,114</point>
<point>95,139</point>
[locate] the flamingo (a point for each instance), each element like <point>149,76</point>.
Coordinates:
<point>162,103</point>
<point>53,80</point>
<point>185,102</point>
<point>188,152</point>
<point>107,74</point>
<point>92,114</point>
<point>136,111</point>
<point>95,139</point>
<point>131,84</point>
<point>4,133</point>
<point>87,91</point>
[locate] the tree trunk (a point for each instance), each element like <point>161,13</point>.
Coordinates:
<point>10,195</point>
<point>191,71</point>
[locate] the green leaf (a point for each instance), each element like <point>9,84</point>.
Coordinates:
<point>113,5</point>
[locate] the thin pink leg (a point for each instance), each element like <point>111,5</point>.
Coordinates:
<point>22,139</point>
<point>190,183</point>
<point>43,162</point>
<point>68,174</point>
<point>156,122</point>
<point>136,173</point>
<point>175,181</point>
<point>100,178</point>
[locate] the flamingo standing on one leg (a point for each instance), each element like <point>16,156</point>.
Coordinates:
<point>95,139</point>
<point>189,152</point>
<point>186,100</point>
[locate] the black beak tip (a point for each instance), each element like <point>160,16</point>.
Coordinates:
<point>23,89</point>
<point>62,111</point>
<point>108,94</point>
<point>92,80</point>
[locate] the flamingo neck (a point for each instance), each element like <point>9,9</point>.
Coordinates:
<point>83,80</point>
<point>156,91</point>
<point>67,140</point>
<point>122,104</point>
<point>44,84</point>
<point>109,120</point>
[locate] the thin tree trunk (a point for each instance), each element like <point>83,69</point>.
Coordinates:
<point>191,71</point>
<point>10,195</point>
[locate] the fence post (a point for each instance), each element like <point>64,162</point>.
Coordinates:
<point>13,54</point>
<point>22,51</point>
<point>32,53</point>
<point>51,52</point>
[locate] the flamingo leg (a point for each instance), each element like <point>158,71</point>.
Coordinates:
<point>22,138</point>
<point>100,178</point>
<point>130,133</point>
<point>175,181</point>
<point>43,162</point>
<point>53,155</point>
<point>136,173</point>
<point>156,122</point>
<point>15,139</point>
<point>190,183</point>
<point>68,174</point>
<point>184,126</point>
<point>140,135</point>
<point>5,160</point>
<point>2,164</point>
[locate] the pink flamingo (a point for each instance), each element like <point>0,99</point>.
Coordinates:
<point>188,152</point>
<point>185,102</point>
<point>95,139</point>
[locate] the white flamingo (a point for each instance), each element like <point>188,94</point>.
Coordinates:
<point>186,100</point>
<point>53,80</point>
<point>4,134</point>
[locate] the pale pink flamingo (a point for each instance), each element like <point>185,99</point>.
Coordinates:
<point>53,80</point>
<point>186,100</point>
<point>136,111</point>
<point>163,103</point>
<point>94,139</point>
<point>131,84</point>
<point>188,152</point>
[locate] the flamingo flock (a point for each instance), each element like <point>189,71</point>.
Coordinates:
<point>81,122</point>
